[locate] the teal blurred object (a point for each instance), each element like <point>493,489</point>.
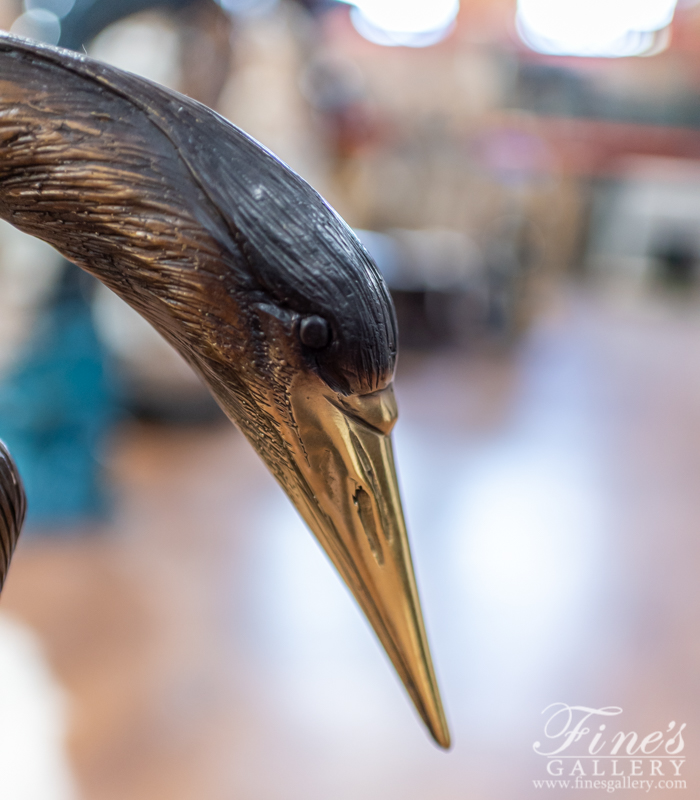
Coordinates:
<point>56,406</point>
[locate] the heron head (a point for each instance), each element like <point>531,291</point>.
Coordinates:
<point>316,384</point>
<point>253,278</point>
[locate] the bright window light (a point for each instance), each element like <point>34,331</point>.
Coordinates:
<point>608,28</point>
<point>411,23</point>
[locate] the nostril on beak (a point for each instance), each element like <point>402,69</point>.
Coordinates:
<point>363,503</point>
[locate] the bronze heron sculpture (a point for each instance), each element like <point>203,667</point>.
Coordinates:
<point>253,278</point>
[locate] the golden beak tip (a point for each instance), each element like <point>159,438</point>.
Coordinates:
<point>442,737</point>
<point>437,725</point>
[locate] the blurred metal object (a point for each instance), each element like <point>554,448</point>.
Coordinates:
<point>249,274</point>
<point>87,18</point>
<point>13,506</point>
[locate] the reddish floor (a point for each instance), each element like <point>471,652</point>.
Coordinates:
<point>553,498</point>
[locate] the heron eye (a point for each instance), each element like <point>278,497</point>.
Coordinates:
<point>314,332</point>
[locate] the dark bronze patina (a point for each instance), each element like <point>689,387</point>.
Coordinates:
<point>13,506</point>
<point>249,274</point>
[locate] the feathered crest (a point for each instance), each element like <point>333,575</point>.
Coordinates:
<point>143,187</point>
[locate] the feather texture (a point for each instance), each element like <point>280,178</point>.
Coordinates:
<point>177,210</point>
<point>13,506</point>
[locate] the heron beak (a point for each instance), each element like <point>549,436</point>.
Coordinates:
<point>349,497</point>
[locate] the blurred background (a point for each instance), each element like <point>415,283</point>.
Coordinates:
<point>527,177</point>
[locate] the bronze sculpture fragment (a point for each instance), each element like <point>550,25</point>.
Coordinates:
<point>253,278</point>
<point>13,505</point>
